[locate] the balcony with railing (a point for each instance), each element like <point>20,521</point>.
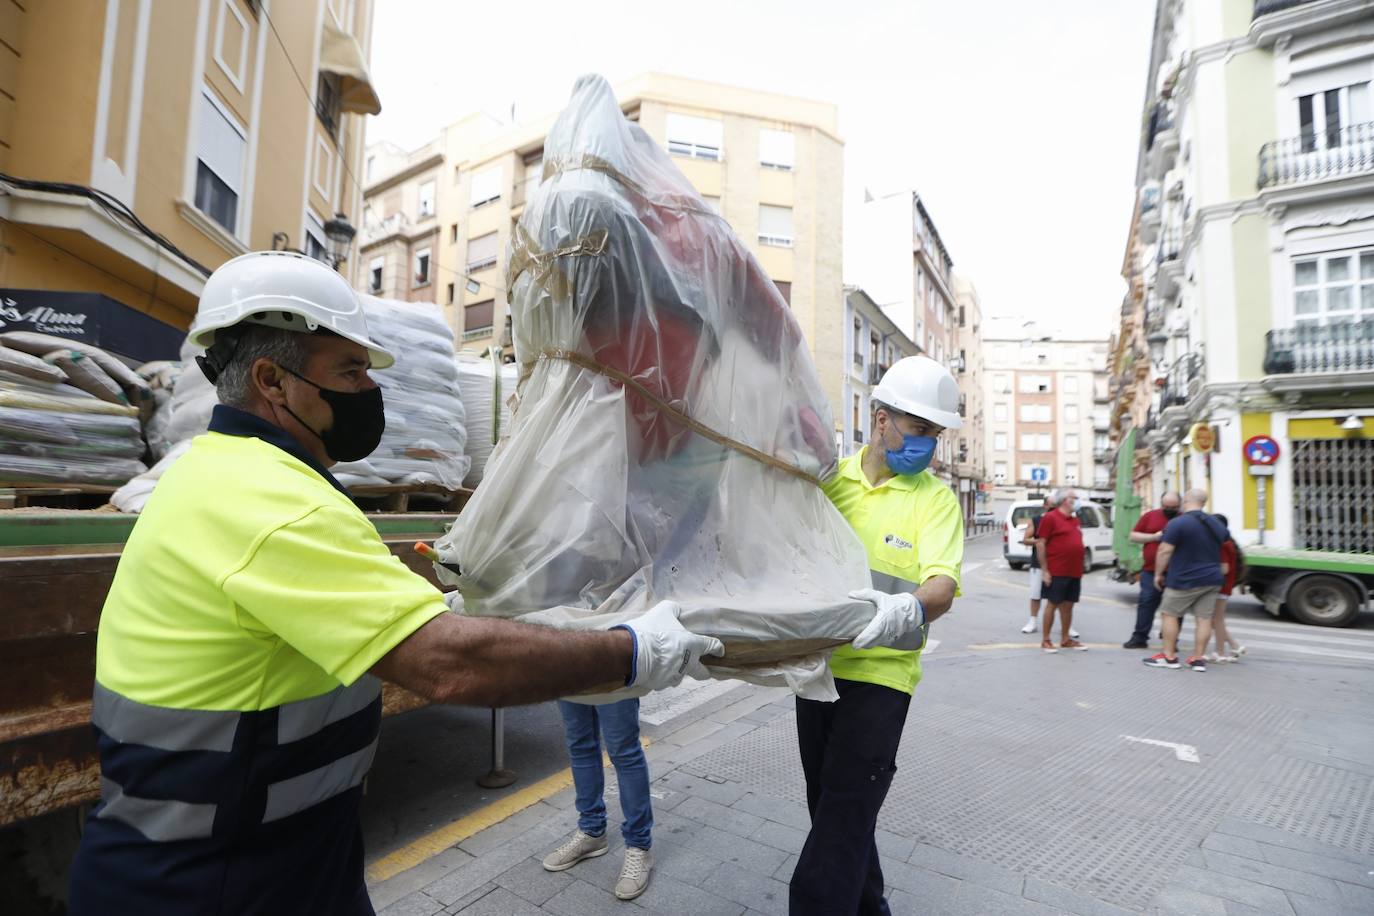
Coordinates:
<point>1308,354</point>
<point>1181,381</point>
<point>1335,152</point>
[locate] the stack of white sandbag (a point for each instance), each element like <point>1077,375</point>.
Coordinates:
<point>426,430</point>
<point>425,434</point>
<point>69,412</point>
<point>482,388</point>
<point>161,377</point>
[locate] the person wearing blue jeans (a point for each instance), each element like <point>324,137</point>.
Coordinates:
<point>584,726</point>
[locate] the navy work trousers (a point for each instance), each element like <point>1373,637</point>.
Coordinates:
<point>849,756</point>
<point>1145,607</point>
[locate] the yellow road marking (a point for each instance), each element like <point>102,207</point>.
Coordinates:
<point>449,835</point>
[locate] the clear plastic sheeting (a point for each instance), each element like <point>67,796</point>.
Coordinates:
<point>669,433</point>
<point>426,433</point>
<point>486,395</point>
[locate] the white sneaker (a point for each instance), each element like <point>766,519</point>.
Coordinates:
<point>634,874</point>
<point>1030,626</point>
<point>578,847</point>
<point>1073,634</point>
<point>1237,652</point>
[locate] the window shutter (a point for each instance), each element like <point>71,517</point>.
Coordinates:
<point>221,145</point>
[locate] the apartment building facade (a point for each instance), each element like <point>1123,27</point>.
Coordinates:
<point>143,143</point>
<point>873,342</point>
<point>771,164</point>
<point>1253,242</point>
<point>904,265</point>
<point>970,448</point>
<point>1047,403</point>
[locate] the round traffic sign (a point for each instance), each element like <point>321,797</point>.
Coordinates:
<point>1261,450</point>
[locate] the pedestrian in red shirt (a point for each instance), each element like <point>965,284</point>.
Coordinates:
<point>1059,545</point>
<point>1234,562</point>
<point>1148,531</point>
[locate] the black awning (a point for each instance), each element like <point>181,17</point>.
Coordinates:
<point>91,318</point>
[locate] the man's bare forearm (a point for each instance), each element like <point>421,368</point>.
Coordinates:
<point>1040,555</point>
<point>475,661</point>
<point>1140,537</point>
<point>936,595</point>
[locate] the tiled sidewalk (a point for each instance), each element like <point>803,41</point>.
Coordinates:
<point>1000,806</point>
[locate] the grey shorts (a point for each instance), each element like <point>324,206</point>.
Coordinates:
<point>1202,601</point>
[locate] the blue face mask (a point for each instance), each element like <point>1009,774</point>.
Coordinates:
<point>914,455</point>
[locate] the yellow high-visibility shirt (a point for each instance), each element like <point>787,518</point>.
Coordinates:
<point>913,529</point>
<point>251,581</point>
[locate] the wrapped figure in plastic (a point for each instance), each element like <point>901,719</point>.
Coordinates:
<point>669,433</point>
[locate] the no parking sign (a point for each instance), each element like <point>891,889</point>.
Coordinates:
<point>1261,450</point>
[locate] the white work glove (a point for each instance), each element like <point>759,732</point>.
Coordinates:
<point>665,651</point>
<point>899,623</point>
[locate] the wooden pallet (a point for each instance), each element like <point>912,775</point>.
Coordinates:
<point>400,497</point>
<point>53,495</point>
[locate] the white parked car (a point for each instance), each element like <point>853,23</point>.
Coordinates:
<point>1094,518</point>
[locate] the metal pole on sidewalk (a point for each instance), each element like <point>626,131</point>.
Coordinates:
<point>498,777</point>
<point>1262,491</point>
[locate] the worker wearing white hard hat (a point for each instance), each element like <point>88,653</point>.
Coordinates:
<point>254,613</point>
<point>913,530</point>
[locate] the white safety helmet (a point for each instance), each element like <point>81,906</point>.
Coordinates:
<point>282,289</point>
<point>920,386</point>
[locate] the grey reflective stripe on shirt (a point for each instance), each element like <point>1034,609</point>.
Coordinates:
<point>891,584</point>
<point>130,722</point>
<point>304,718</point>
<point>289,796</point>
<point>161,820</point>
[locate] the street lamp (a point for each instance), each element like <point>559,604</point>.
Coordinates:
<point>1156,343</point>
<point>340,233</point>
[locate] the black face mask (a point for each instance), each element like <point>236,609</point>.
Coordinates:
<point>359,421</point>
<point>1169,513</point>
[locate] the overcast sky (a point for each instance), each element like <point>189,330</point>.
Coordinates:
<point>1017,122</point>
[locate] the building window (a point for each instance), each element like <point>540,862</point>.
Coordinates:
<point>999,413</point>
<point>999,471</point>
<point>534,174</point>
<point>1334,288</point>
<point>1071,472</point>
<point>315,244</point>
<point>426,200</point>
<point>1323,115</point>
<point>481,252</point>
<point>1028,442</point>
<point>1035,384</point>
<point>1071,384</point>
<point>219,165</point>
<point>873,342</point>
<point>784,290</point>
<point>367,171</point>
<point>448,294</point>
<point>422,267</point>
<point>777,149</point>
<point>477,318</point>
<point>1027,413</point>
<point>486,186</point>
<point>374,275</point>
<point>1070,413</point>
<point>857,425</point>
<point>858,347</point>
<point>1071,443</point>
<point>999,442</point>
<point>327,102</point>
<point>699,138</point>
<point>775,225</point>
<point>961,316</point>
<point>1044,442</point>
<point>453,234</point>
